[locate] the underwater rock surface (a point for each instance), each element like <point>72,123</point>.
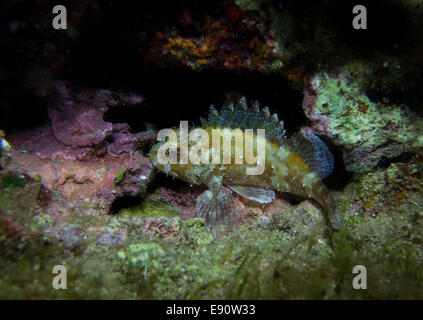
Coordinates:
<point>80,155</point>
<point>166,257</point>
<point>234,42</point>
<point>368,131</point>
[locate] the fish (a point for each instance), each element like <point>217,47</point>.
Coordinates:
<point>294,165</point>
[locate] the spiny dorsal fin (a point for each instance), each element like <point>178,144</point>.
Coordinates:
<point>242,117</point>
<point>266,112</point>
<point>242,104</point>
<point>314,152</point>
<point>256,106</point>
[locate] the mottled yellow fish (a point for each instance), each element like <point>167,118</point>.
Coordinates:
<point>295,165</point>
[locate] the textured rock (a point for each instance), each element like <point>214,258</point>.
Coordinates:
<point>232,42</point>
<point>111,237</point>
<point>73,156</point>
<point>265,257</point>
<point>367,131</point>
<point>77,119</point>
<point>98,181</point>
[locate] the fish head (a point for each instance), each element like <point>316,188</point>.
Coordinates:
<point>166,157</point>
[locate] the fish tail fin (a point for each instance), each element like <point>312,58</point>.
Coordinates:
<point>216,207</point>
<point>314,152</point>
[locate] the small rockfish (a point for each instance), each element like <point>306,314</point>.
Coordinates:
<point>295,165</point>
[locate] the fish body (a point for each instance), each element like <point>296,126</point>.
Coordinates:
<point>295,165</point>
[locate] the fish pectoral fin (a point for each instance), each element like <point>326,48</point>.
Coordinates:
<point>256,194</point>
<point>216,208</point>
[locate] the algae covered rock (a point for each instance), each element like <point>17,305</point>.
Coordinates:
<point>368,131</point>
<point>147,256</point>
<point>81,155</point>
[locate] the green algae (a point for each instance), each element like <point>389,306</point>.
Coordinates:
<point>269,263</point>
<point>290,257</point>
<point>353,117</point>
<point>11,180</point>
<point>343,256</point>
<point>362,126</point>
<point>146,256</point>
<point>119,176</point>
<point>150,208</point>
<point>196,233</point>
